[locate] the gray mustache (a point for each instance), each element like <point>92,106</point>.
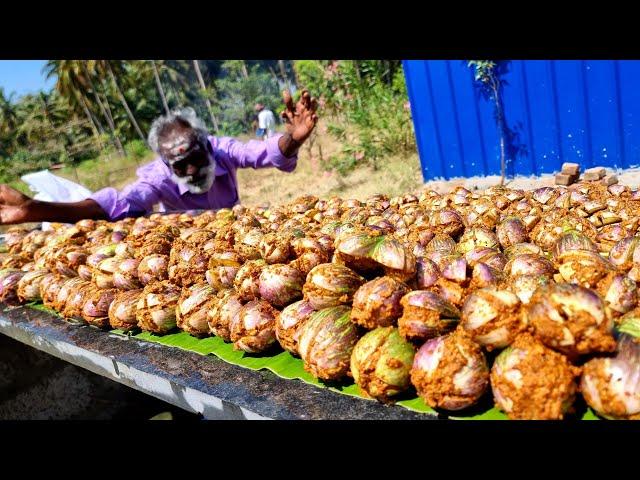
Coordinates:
<point>202,175</point>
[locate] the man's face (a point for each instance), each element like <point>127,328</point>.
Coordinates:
<point>190,162</point>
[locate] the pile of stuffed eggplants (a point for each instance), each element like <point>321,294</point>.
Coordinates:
<point>529,297</point>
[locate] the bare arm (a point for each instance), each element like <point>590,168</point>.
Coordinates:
<point>18,208</point>
<point>300,120</point>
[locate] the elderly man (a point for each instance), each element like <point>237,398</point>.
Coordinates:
<point>193,171</point>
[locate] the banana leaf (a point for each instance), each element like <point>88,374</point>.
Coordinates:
<point>286,366</point>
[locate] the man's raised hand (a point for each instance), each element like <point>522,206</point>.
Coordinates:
<point>301,118</point>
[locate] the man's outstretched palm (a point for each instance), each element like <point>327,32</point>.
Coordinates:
<point>11,205</point>
<point>11,196</point>
<point>301,118</point>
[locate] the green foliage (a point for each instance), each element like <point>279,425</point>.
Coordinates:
<point>311,75</point>
<point>23,161</point>
<point>137,149</point>
<point>107,169</point>
<point>21,187</point>
<point>484,70</point>
<point>368,103</point>
<point>238,94</point>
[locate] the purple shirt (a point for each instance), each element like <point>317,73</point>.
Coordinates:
<point>154,182</point>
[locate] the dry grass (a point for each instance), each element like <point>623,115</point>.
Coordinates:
<point>399,174</point>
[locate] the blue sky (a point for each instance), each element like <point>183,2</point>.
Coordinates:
<point>23,76</point>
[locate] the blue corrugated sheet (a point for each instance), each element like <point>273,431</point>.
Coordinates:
<point>580,111</point>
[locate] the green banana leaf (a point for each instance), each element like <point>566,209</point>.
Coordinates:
<point>286,366</point>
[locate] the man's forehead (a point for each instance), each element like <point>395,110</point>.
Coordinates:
<point>176,138</point>
<point>178,144</point>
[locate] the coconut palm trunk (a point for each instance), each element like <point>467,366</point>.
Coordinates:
<point>105,101</point>
<point>112,126</point>
<point>356,66</point>
<point>124,103</point>
<point>95,126</point>
<point>203,87</point>
<point>156,76</point>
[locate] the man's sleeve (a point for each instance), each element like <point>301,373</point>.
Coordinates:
<point>134,200</point>
<point>258,154</point>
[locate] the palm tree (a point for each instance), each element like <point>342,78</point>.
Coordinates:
<point>104,95</point>
<point>69,84</point>
<point>75,83</point>
<point>243,69</point>
<point>43,121</point>
<point>106,66</point>
<point>169,77</point>
<point>7,111</point>
<point>88,67</point>
<point>203,87</point>
<point>174,75</point>
<point>8,120</point>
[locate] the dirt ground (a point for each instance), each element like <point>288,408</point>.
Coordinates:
<point>398,174</point>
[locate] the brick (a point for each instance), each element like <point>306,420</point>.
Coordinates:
<point>570,168</point>
<point>565,179</point>
<point>599,171</point>
<point>609,180</point>
<point>591,177</point>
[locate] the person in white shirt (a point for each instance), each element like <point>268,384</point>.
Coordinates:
<point>266,122</point>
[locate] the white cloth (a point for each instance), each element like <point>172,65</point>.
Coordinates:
<point>51,188</point>
<point>267,121</point>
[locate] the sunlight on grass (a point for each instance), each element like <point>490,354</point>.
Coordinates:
<point>111,171</point>
<point>398,174</point>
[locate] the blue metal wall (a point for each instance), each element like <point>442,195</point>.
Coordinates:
<point>560,110</point>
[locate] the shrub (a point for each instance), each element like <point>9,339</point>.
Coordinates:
<point>370,112</point>
<point>136,149</point>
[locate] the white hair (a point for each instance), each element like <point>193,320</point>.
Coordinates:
<point>186,114</point>
<point>202,187</point>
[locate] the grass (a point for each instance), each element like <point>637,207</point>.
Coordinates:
<point>398,174</point>
<point>20,186</point>
<point>108,170</point>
